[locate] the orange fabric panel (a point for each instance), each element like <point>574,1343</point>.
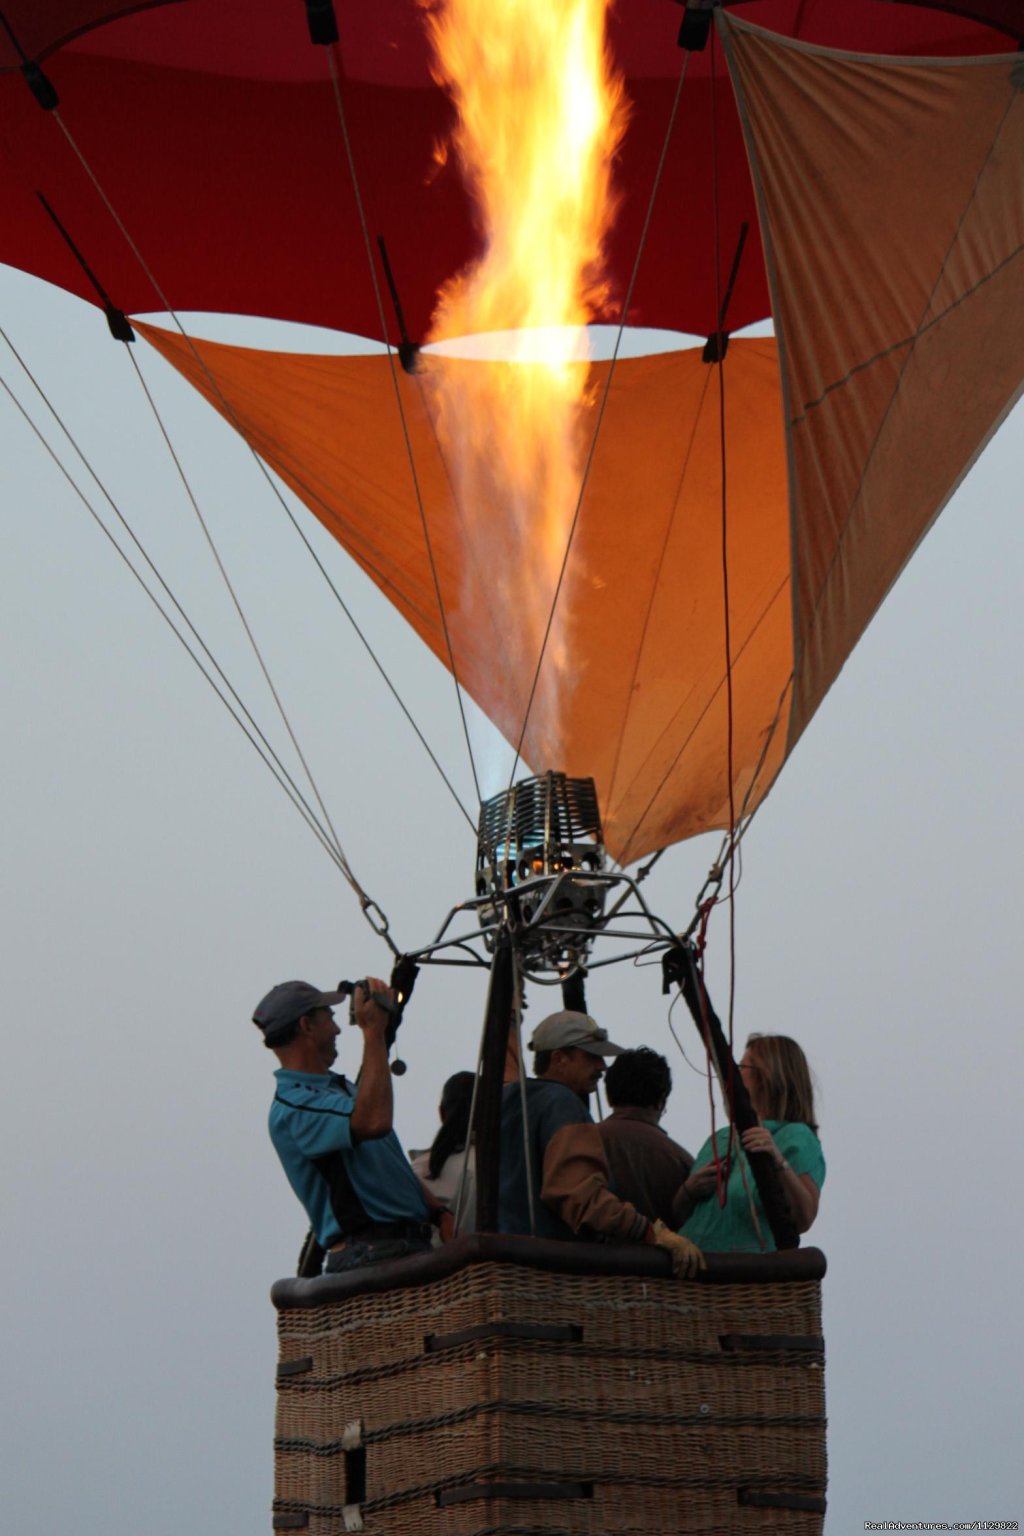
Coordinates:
<point>892,200</point>
<point>642,706</point>
<point>649,717</point>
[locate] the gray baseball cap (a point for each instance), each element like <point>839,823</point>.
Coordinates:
<point>288,1001</point>
<point>567,1030</point>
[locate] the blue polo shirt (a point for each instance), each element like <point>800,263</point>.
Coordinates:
<point>344,1185</point>
<point>549,1106</point>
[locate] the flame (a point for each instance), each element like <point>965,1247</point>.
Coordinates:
<point>540,115</point>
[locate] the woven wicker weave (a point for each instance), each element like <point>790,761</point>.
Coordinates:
<point>609,1403</point>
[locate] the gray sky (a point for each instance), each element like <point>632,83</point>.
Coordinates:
<point>158,882</point>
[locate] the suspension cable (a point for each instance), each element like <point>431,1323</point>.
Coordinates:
<point>311,495</point>
<point>662,556</point>
<point>105,493</point>
<point>471,546</point>
<point>709,897</point>
<point>369,907</point>
<point>524,1097</point>
<point>253,735</point>
<point>335,69</point>
<point>727,618</point>
<point>360,634</point>
<point>588,464</point>
<point>257,652</point>
<point>684,744</point>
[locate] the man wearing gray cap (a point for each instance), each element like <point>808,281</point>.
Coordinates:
<point>554,1172</point>
<point>335,1141</point>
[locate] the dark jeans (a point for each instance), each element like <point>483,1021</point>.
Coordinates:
<point>355,1254</point>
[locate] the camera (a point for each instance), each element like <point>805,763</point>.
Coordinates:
<point>380,998</point>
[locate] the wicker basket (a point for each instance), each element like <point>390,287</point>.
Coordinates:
<point>505,1387</point>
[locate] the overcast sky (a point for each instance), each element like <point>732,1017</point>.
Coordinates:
<point>158,883</point>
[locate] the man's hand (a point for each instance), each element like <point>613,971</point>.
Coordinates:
<point>368,1015</point>
<point>686,1257</point>
<point>375,1104</point>
<point>446,1226</point>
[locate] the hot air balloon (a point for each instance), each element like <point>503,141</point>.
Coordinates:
<point>738,508</point>
<point>877,296</point>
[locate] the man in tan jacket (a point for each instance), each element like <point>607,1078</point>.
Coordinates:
<point>555,1179</point>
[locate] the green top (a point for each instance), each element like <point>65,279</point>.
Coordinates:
<point>730,1228</point>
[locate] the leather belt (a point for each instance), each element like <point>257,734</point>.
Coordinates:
<point>384,1231</point>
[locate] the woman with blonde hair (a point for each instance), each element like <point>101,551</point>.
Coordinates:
<point>718,1207</point>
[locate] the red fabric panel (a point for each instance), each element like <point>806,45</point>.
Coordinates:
<point>272,227</point>
<point>211,126</point>
<point>35,28</point>
<point>382,40</point>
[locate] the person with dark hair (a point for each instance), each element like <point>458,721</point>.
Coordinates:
<point>646,1165</point>
<point>335,1140</point>
<point>447,1171</point>
<point>718,1205</point>
<point>555,1179</point>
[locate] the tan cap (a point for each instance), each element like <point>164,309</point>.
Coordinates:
<point>567,1030</point>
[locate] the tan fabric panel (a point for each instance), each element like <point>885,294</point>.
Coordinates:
<point>643,708</point>
<point>892,201</point>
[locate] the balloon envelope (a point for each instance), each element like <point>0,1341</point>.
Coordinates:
<point>201,166</point>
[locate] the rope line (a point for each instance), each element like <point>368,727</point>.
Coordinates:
<point>343,863</point>
<point>378,576</point>
<point>744,818</point>
<point>101,487</point>
<point>464,1171</point>
<point>909,340</point>
<point>713,1065</point>
<point>344,866</point>
<point>361,636</point>
<point>727,619</point>
<point>499,650</point>
<point>744,1167</point>
<point>333,58</point>
<point>674,763</point>
<point>229,411</point>
<point>262,748</point>
<point>663,555</point>
<point>729,852</point>
<point>734,1147</point>
<point>655,188</point>
<point>524,1098</point>
<point>732,843</point>
<point>365,901</point>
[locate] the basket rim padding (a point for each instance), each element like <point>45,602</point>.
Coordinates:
<point>597,1259</point>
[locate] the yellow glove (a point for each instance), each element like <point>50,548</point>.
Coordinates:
<point>686,1257</point>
